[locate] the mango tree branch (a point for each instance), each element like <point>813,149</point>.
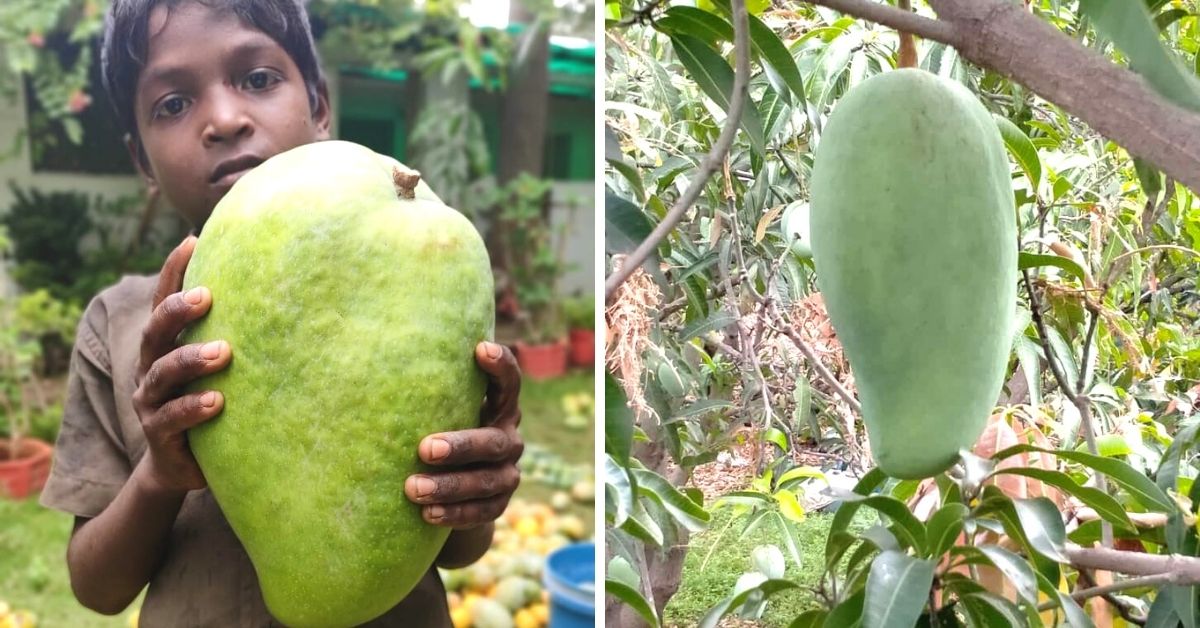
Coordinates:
<point>712,161</point>
<point>1175,568</point>
<point>1132,583</point>
<point>1002,36</point>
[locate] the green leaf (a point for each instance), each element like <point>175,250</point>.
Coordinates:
<point>625,227</point>
<point>1043,526</point>
<point>1075,616</point>
<point>910,528</point>
<point>1183,600</point>
<point>633,598</point>
<point>1034,260</point>
<point>631,174</point>
<point>1129,26</point>
<point>1104,505</point>
<point>685,20</point>
<point>985,610</point>
<point>789,505</point>
<point>799,473</point>
<point>715,78</point>
<point>777,438</point>
<point>1022,150</point>
<point>618,421</point>
<point>845,514</point>
<point>778,63</point>
<point>897,588</point>
<point>767,588</point>
<point>1015,568</point>
<point>943,528</point>
<point>641,525</point>
<point>686,512</point>
<point>848,613</point>
<point>716,321</point>
<point>1142,488</point>
<point>1109,445</point>
<point>617,479</point>
<point>701,407</point>
<point>1169,17</point>
<point>73,128</point>
<point>809,619</point>
<point>788,533</point>
<point>1148,176</point>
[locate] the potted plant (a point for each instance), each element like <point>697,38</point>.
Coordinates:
<point>25,460</point>
<point>581,325</point>
<point>535,265</point>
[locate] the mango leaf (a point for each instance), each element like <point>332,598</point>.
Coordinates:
<point>799,473</point>
<point>704,25</point>
<point>641,525</point>
<point>631,175</point>
<point>1140,487</point>
<point>618,421</point>
<point>1043,526</point>
<point>686,512</point>
<point>897,589</point>
<point>845,514</point>
<point>984,610</point>
<point>1109,445</point>
<point>1148,176</point>
<point>701,407</point>
<point>767,588</point>
<point>1034,260</point>
<point>1075,617</point>
<point>633,598</point>
<point>1104,505</point>
<point>789,505</point>
<point>907,524</point>
<point>1129,26</point>
<point>788,533</point>
<point>1015,568</point>
<point>1022,150</point>
<point>848,613</point>
<point>717,320</point>
<point>777,438</point>
<point>1169,17</point>
<point>715,78</point>
<point>943,528</point>
<point>777,62</point>
<point>625,227</point>
<point>618,480</point>
<point>809,619</point>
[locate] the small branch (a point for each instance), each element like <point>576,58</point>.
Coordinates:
<point>822,372</point>
<point>1081,385</point>
<point>1176,569</point>
<point>1035,310</point>
<point>898,19</point>
<point>1132,583</point>
<point>713,160</point>
<point>641,15</point>
<point>1154,247</point>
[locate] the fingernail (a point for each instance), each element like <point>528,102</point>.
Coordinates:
<point>438,449</point>
<point>211,350</point>
<point>436,512</point>
<point>493,350</point>
<point>208,399</point>
<point>194,296</point>
<point>424,486</point>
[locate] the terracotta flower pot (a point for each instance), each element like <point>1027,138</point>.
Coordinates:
<point>583,347</point>
<point>542,361</point>
<point>27,473</point>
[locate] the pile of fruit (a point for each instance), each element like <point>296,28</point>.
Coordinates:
<point>13,618</point>
<point>542,465</point>
<point>504,588</point>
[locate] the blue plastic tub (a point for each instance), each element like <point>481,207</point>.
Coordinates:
<point>570,578</point>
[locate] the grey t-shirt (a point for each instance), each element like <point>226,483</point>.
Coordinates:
<point>206,578</point>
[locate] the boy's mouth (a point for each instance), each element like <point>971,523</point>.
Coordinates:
<point>229,171</point>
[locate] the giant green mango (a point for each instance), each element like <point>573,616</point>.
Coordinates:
<point>914,240</point>
<point>353,316</point>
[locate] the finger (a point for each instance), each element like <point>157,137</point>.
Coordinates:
<point>504,384</point>
<point>461,486</point>
<point>466,514</point>
<point>482,444</point>
<point>168,320</point>
<point>170,278</point>
<point>183,413</point>
<point>168,373</point>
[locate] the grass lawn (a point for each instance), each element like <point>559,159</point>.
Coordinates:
<point>33,540</point>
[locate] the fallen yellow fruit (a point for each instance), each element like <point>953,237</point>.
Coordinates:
<point>525,619</point>
<point>460,617</point>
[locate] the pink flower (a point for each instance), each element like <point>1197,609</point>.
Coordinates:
<point>36,40</point>
<point>78,101</point>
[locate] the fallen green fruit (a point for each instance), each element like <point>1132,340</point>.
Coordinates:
<point>914,240</point>
<point>353,316</point>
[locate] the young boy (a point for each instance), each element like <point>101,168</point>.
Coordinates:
<point>207,89</point>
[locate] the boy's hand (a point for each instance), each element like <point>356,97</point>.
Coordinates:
<point>481,464</point>
<point>164,369</point>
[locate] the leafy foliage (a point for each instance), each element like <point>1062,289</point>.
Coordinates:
<point>1109,246</point>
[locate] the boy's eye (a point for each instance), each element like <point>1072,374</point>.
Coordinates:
<point>260,79</point>
<point>170,107</point>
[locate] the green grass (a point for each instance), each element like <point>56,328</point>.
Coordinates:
<point>707,582</point>
<point>33,540</point>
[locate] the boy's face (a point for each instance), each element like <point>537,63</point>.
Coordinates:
<point>216,98</point>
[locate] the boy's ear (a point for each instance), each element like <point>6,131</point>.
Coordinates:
<point>324,113</point>
<point>138,157</point>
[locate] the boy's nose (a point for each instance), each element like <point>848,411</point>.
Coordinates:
<point>226,120</point>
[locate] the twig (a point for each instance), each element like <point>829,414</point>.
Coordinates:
<point>1132,583</point>
<point>1152,247</point>
<point>1081,385</point>
<point>641,15</point>
<point>714,158</point>
<point>822,372</point>
<point>1177,569</point>
<point>901,20</point>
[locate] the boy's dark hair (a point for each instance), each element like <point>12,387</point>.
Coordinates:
<point>126,38</point>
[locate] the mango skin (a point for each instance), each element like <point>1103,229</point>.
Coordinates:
<point>914,241</point>
<point>353,318</point>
